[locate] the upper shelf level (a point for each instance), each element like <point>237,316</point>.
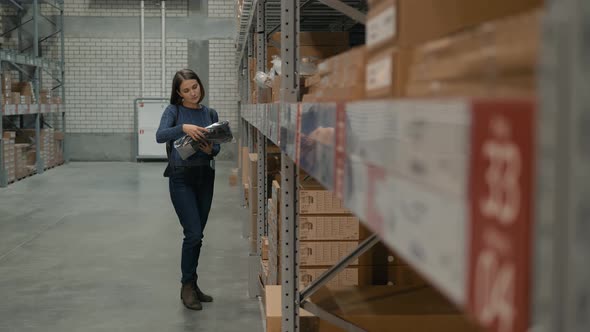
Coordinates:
<point>28,60</point>
<point>316,16</point>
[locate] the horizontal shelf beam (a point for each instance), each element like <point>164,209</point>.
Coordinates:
<point>24,109</point>
<point>26,60</point>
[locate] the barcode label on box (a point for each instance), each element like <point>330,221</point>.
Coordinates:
<point>379,74</point>
<point>382,27</point>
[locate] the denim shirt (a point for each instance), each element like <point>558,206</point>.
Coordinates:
<point>170,130</point>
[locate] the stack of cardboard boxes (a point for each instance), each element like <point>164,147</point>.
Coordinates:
<point>396,28</point>
<point>23,168</point>
<point>59,138</point>
<point>15,92</point>
<point>23,93</point>
<point>328,232</point>
<point>313,47</point>
<point>431,48</point>
<point>47,144</point>
<point>8,139</point>
<point>341,77</point>
<point>496,59</point>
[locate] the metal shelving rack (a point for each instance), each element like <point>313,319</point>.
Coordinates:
<point>19,59</point>
<point>538,279</point>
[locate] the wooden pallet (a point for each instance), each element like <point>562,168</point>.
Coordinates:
<point>24,177</point>
<point>54,166</point>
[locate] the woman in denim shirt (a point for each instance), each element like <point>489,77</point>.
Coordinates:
<point>191,181</point>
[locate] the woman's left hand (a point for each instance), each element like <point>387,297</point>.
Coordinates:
<point>206,147</point>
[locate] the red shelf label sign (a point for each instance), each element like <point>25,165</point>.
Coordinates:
<point>501,214</point>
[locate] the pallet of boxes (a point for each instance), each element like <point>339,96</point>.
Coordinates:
<point>46,140</point>
<point>8,142</point>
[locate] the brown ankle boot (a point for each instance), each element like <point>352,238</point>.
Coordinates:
<point>202,296</point>
<point>189,297</point>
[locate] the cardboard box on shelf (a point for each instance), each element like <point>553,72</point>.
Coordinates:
<point>252,196</point>
<point>8,135</point>
<point>264,272</point>
<point>24,88</point>
<point>273,310</point>
<point>324,253</point>
<point>263,96</point>
<point>347,277</point>
<point>387,73</point>
<point>319,45</point>
<point>31,158</point>
<point>246,188</point>
<point>15,98</point>
<point>408,23</point>
<point>21,160</point>
<point>276,193</point>
<point>328,253</point>
<point>245,164</point>
<point>512,41</point>
<point>316,200</point>
<point>382,308</point>
<point>274,270</point>
<point>339,78</point>
<point>276,89</point>
<point>398,276</point>
<point>498,58</point>
<point>265,247</point>
<point>337,227</point>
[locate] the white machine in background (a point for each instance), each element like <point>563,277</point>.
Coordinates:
<point>148,112</point>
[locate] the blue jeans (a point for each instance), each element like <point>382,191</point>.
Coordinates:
<point>191,191</point>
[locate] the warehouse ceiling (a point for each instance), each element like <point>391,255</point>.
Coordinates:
<point>315,16</point>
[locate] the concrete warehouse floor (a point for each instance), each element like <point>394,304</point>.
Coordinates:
<point>96,247</point>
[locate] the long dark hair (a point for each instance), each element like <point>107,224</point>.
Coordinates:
<point>179,77</point>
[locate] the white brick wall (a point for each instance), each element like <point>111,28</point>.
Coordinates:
<point>223,86</point>
<point>174,8</point>
<point>103,78</point>
<point>222,8</point>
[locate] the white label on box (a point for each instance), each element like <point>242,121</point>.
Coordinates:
<point>382,27</point>
<point>379,74</point>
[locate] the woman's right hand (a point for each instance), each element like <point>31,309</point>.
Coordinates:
<point>195,132</point>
